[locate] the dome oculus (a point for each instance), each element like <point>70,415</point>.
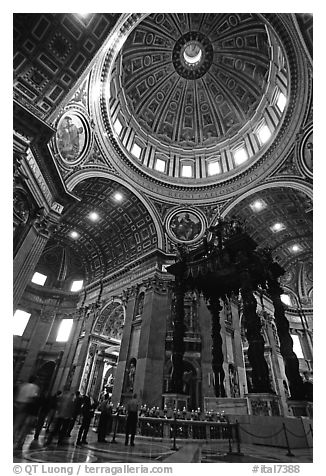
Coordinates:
<point>192,55</point>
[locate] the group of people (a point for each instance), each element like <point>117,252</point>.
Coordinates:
<point>34,410</point>
<point>58,414</point>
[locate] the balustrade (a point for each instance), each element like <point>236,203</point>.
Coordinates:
<point>214,427</point>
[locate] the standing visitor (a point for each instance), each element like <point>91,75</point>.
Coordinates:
<point>78,400</point>
<point>87,413</point>
<point>26,408</point>
<point>132,419</point>
<point>105,421</point>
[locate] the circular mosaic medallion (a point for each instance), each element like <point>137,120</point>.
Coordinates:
<point>307,152</point>
<point>185,226</point>
<point>71,137</point>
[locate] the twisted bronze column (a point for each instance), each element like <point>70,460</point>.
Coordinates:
<point>252,324</point>
<point>217,351</point>
<point>290,359</point>
<point>177,343</point>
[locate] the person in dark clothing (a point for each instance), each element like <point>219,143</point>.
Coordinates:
<point>62,419</point>
<point>87,412</point>
<point>53,405</point>
<point>44,408</point>
<point>78,401</point>
<point>132,418</point>
<point>105,420</point>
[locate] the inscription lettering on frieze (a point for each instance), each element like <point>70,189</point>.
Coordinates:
<point>38,175</point>
<point>57,207</point>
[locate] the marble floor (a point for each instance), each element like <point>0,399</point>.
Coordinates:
<point>148,450</point>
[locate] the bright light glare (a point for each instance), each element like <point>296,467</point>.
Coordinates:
<point>83,15</point>
<point>285,298</point>
<point>74,235</point>
<point>76,286</point>
<point>186,171</point>
<point>297,349</point>
<point>281,102</point>
<point>240,156</point>
<point>39,278</point>
<point>192,54</point>
<point>213,168</point>
<point>258,205</point>
<point>264,134</point>
<point>136,150</point>
<point>117,127</point>
<point>277,227</point>
<point>295,248</point>
<point>118,196</point>
<point>21,319</point>
<point>94,216</point>
<point>64,330</point>
<point>160,165</point>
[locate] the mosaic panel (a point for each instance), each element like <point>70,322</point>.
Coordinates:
<point>185,225</point>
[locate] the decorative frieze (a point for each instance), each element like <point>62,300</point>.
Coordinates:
<point>38,176</point>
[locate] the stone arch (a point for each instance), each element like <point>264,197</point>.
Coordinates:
<point>110,321</point>
<point>80,176</point>
<point>276,183</point>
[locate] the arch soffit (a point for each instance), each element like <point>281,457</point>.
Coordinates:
<point>307,189</point>
<point>80,176</point>
<point>99,318</point>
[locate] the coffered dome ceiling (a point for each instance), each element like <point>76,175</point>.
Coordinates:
<point>192,95</point>
<point>189,105</point>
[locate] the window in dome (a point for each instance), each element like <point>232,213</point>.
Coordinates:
<point>186,171</point>
<point>160,165</point>
<point>285,298</point>
<point>281,102</point>
<point>21,319</point>
<point>240,156</point>
<point>277,227</point>
<point>76,286</point>
<point>258,205</point>
<point>39,278</point>
<point>213,168</point>
<point>297,349</point>
<point>295,248</point>
<point>264,134</point>
<point>136,150</point>
<point>192,53</point>
<point>117,127</point>
<point>64,330</point>
<point>94,216</point>
<point>74,235</point>
<point>118,197</point>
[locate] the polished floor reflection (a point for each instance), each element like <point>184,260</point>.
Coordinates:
<point>149,450</point>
